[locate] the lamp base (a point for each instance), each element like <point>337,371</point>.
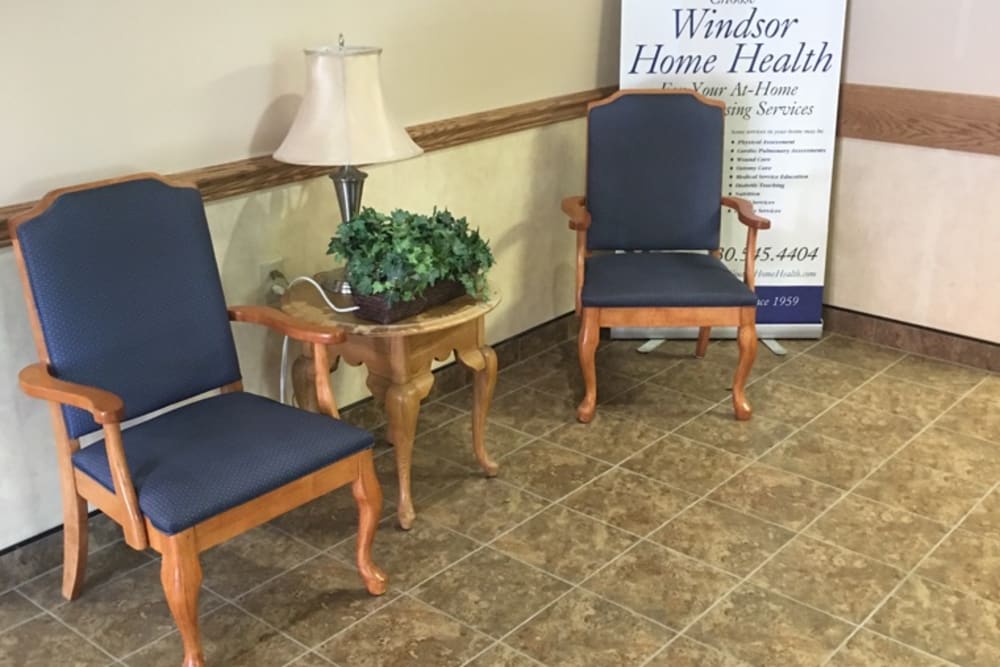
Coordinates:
<point>349,183</point>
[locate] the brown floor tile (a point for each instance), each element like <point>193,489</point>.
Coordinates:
<point>620,356</point>
<point>128,612</point>
<point>406,632</point>
<point>453,442</point>
<point>719,428</point>
<point>699,377</point>
<point>786,403</point>
<point>228,637</point>
<point>410,556</point>
<point>821,375</point>
<point>659,584</point>
<point>685,464</point>
<point>102,566</point>
<point>684,652</point>
<point>531,411</point>
<point>891,535</point>
<point>988,390</point>
<point>968,562</point>
<point>582,630</point>
<point>608,437</point>
<point>30,560</point>
<point>867,649</point>
<point>549,470</point>
<point>834,462</point>
<point>726,353</point>
<point>944,622</point>
<point>502,655</point>
<point>766,629</point>
<point>913,401</point>
<point>491,592</point>
<point>327,520</point>
<point>855,352</point>
<point>368,415</point>
<point>985,519</point>
<point>862,425</point>
<point>938,374</point>
<point>722,537</point>
<point>14,609</point>
<point>629,501</point>
<point>567,384</point>
<point>839,582</point>
<point>462,399</point>
<point>977,417</point>
<point>565,543</point>
<point>481,508</point>
<point>545,338</point>
<point>44,642</point>
<point>428,475</point>
<point>956,454</point>
<point>925,491</point>
<point>311,660</point>
<point>315,600</point>
<point>250,559</point>
<point>777,496</point>
<point>656,406</point>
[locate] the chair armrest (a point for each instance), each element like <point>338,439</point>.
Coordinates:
<point>576,209</point>
<point>744,211</point>
<point>104,406</point>
<point>287,325</point>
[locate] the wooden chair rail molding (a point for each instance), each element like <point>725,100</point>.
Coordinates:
<point>953,121</point>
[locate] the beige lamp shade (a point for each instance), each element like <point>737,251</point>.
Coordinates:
<point>343,119</point>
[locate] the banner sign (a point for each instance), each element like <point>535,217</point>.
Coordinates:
<point>776,64</point>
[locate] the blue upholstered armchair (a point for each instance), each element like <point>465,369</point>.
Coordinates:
<point>128,317</point>
<point>654,191</point>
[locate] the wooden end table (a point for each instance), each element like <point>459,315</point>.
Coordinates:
<point>398,357</point>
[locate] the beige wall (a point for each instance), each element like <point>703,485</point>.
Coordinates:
<point>115,87</point>
<point>913,233</point>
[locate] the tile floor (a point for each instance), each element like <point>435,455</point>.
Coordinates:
<point>855,522</point>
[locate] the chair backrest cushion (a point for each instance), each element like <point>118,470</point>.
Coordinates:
<point>654,173</point>
<point>128,294</point>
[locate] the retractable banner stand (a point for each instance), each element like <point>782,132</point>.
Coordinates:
<point>776,64</point>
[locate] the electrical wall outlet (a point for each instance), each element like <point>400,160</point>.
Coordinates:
<point>266,267</point>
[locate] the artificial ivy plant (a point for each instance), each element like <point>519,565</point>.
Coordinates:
<point>400,255</point>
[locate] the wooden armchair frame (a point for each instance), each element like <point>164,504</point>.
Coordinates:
<point>180,571</point>
<point>592,319</point>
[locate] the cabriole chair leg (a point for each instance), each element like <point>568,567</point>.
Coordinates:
<point>702,346</point>
<point>74,545</point>
<point>590,333</point>
<point>747,341</point>
<point>368,495</point>
<point>180,575</point>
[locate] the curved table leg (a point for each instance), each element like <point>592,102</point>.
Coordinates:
<point>483,362</point>
<point>402,406</point>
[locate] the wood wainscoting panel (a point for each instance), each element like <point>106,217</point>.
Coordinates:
<point>258,173</point>
<point>952,121</point>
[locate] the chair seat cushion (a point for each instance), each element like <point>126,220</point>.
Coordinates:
<point>661,280</point>
<point>207,457</point>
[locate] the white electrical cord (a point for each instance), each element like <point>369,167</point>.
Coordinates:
<point>281,289</point>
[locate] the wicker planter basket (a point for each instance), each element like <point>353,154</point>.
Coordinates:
<point>376,309</point>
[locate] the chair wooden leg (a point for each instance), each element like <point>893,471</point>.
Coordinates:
<point>368,496</point>
<point>747,341</point>
<point>74,545</point>
<point>590,333</point>
<point>180,574</point>
<point>702,347</point>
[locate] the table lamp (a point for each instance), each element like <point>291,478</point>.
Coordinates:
<point>343,121</point>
